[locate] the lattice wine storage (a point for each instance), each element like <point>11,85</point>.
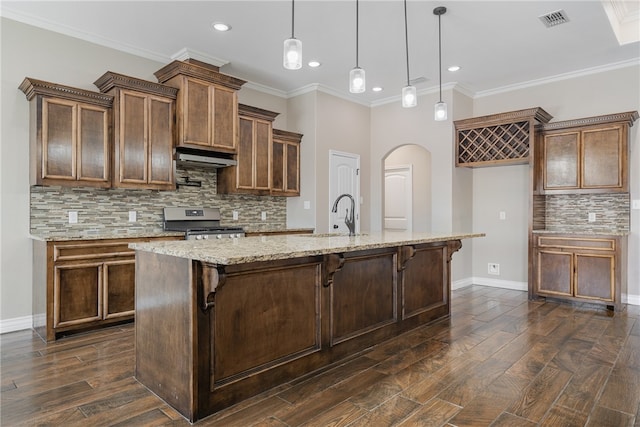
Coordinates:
<point>497,139</point>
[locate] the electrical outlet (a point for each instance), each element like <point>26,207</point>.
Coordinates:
<point>592,217</point>
<point>493,268</point>
<point>133,217</point>
<point>73,217</point>
<point>503,215</point>
<point>635,204</point>
<point>235,215</point>
<point>264,216</point>
<point>307,204</point>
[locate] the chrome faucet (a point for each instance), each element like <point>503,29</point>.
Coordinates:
<point>349,218</point>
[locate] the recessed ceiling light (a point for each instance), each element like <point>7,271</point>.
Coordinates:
<point>377,89</point>
<point>453,68</point>
<point>314,64</point>
<point>221,26</point>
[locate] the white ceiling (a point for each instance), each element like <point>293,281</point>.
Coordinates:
<point>497,43</point>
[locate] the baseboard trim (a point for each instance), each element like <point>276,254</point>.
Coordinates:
<point>494,283</point>
<point>15,324</point>
<point>631,299</point>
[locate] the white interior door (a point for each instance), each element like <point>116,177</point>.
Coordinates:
<point>398,198</point>
<point>344,178</point>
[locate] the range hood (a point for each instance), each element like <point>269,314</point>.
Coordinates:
<point>203,159</point>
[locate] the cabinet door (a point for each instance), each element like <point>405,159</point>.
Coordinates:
<point>131,149</point>
<point>224,118</point>
<point>93,144</point>
<point>197,118</point>
<point>277,167</point>
<point>119,288</point>
<point>161,142</point>
<point>555,272</point>
<point>595,276</point>
<point>293,169</point>
<point>245,158</point>
<point>262,164</point>
<point>77,294</point>
<point>561,161</point>
<point>602,156</point>
<point>59,139</point>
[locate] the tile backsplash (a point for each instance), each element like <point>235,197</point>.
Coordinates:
<point>569,212</point>
<point>106,211</point>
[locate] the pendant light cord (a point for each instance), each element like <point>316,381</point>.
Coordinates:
<point>357,31</point>
<point>440,54</point>
<point>293,8</point>
<point>406,39</point>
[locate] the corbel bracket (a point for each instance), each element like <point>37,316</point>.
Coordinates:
<point>452,246</point>
<point>213,277</point>
<point>332,264</point>
<point>405,253</point>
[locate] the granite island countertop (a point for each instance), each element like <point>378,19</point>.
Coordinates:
<point>267,248</point>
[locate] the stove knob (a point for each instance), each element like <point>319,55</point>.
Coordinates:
<point>219,236</point>
<point>206,236</point>
<point>198,237</point>
<point>231,236</point>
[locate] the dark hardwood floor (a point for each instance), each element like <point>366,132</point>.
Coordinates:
<point>500,360</point>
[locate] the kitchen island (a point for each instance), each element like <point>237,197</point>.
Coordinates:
<point>220,321</point>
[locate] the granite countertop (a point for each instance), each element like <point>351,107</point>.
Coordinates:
<point>267,248</point>
<point>104,235</point>
<point>583,232</point>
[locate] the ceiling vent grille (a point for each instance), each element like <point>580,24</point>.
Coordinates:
<point>552,19</point>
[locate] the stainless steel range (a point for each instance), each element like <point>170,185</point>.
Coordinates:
<point>198,223</point>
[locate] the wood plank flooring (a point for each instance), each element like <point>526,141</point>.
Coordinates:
<point>500,360</point>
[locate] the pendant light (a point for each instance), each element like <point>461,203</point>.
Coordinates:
<point>409,95</point>
<point>440,111</point>
<point>356,75</point>
<point>292,58</point>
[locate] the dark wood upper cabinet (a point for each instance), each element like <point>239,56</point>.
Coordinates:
<point>285,175</point>
<point>586,155</point>
<point>69,135</point>
<point>144,116</point>
<point>207,105</point>
<point>252,174</point>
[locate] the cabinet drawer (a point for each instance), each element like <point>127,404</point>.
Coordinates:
<point>596,244</point>
<point>80,251</point>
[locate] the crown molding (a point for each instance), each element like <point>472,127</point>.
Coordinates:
<point>559,77</point>
<point>186,53</point>
<point>265,89</point>
<point>88,37</point>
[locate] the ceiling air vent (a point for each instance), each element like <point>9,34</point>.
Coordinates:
<point>552,19</point>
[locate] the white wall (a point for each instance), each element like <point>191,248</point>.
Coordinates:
<point>507,188</point>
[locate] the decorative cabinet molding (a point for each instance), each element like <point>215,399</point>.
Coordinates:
<point>252,174</point>
<point>285,175</point>
<point>585,155</point>
<point>207,105</point>
<point>497,139</point>
<point>69,135</point>
<point>144,114</point>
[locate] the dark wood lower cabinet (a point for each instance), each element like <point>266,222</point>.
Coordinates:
<point>82,284</point>
<point>581,268</point>
<point>209,336</point>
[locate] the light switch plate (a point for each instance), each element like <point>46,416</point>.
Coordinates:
<point>264,216</point>
<point>73,217</point>
<point>503,215</point>
<point>235,215</point>
<point>133,217</point>
<point>307,204</point>
<point>635,204</point>
<point>592,217</point>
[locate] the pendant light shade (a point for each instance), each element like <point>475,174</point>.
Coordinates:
<point>292,54</point>
<point>409,94</point>
<point>356,75</point>
<point>292,57</point>
<point>440,110</point>
<point>356,80</point>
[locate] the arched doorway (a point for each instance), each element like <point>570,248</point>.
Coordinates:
<point>407,179</point>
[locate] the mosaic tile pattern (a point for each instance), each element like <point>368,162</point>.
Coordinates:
<point>106,211</point>
<point>569,212</point>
